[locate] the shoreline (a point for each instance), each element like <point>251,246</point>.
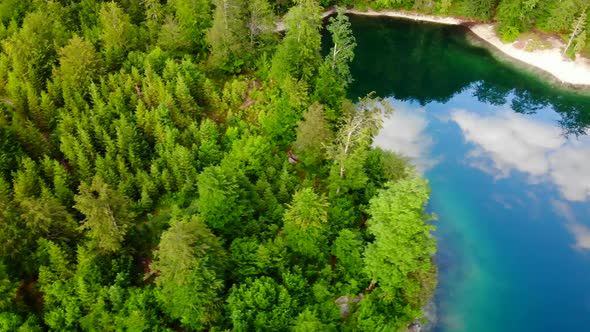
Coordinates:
<point>571,73</point>
<point>574,74</point>
<point>446,20</point>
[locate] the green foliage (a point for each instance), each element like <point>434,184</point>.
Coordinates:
<point>241,30</point>
<point>308,321</point>
<point>399,259</point>
<point>581,41</point>
<point>222,203</point>
<point>142,189</point>
<point>508,33</point>
<point>279,119</point>
<point>313,135</point>
<point>305,223</point>
<point>244,256</point>
<point>189,264</point>
<point>79,63</point>
<point>342,53</point>
<point>562,15</point>
<point>347,251</point>
<point>334,74</point>
<point>354,137</point>
<point>444,6</point>
<point>374,311</point>
<point>171,36</point>
<point>107,214</point>
<point>32,50</point>
<point>13,10</point>
<point>260,305</point>
<point>298,55</point>
<point>194,18</point>
<point>482,9</point>
<point>7,289</point>
<point>117,33</point>
<point>513,17</point>
<point>227,36</point>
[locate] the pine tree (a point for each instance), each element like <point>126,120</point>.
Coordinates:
<point>313,135</point>
<point>79,63</point>
<point>306,224</point>
<point>190,263</point>
<point>117,33</point>
<point>172,37</point>
<point>298,55</point>
<point>107,214</point>
<point>261,25</point>
<point>194,17</point>
<point>260,305</point>
<point>227,36</point>
<point>186,102</point>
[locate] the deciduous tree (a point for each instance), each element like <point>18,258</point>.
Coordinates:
<point>354,137</point>
<point>400,257</point>
<point>334,74</point>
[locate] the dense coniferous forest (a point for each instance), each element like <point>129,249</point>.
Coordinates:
<point>181,166</point>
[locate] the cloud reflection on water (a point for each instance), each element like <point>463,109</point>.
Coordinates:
<point>580,232</point>
<point>514,141</point>
<point>404,132</point>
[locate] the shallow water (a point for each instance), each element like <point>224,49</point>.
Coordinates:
<point>507,159</point>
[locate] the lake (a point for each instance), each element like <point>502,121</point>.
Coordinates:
<point>507,158</point>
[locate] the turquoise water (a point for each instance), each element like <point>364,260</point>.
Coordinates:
<point>507,159</point>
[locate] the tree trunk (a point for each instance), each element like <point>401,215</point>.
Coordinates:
<point>576,30</point>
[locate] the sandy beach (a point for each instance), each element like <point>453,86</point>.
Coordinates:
<point>568,72</point>
<point>576,73</point>
<point>409,16</point>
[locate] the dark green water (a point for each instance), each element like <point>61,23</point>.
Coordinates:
<point>507,158</point>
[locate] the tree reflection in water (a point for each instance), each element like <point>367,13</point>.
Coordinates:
<point>431,63</point>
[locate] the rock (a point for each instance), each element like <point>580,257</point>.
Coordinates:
<point>345,301</point>
<point>415,327</point>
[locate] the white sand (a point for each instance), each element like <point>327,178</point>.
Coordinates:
<point>575,73</point>
<point>409,16</point>
<point>388,13</point>
<point>550,60</point>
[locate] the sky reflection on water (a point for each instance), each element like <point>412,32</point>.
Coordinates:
<point>503,183</point>
<point>505,154</point>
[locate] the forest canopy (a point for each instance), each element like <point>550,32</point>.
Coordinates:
<point>181,166</point>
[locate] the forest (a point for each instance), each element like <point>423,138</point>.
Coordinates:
<point>182,166</point>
